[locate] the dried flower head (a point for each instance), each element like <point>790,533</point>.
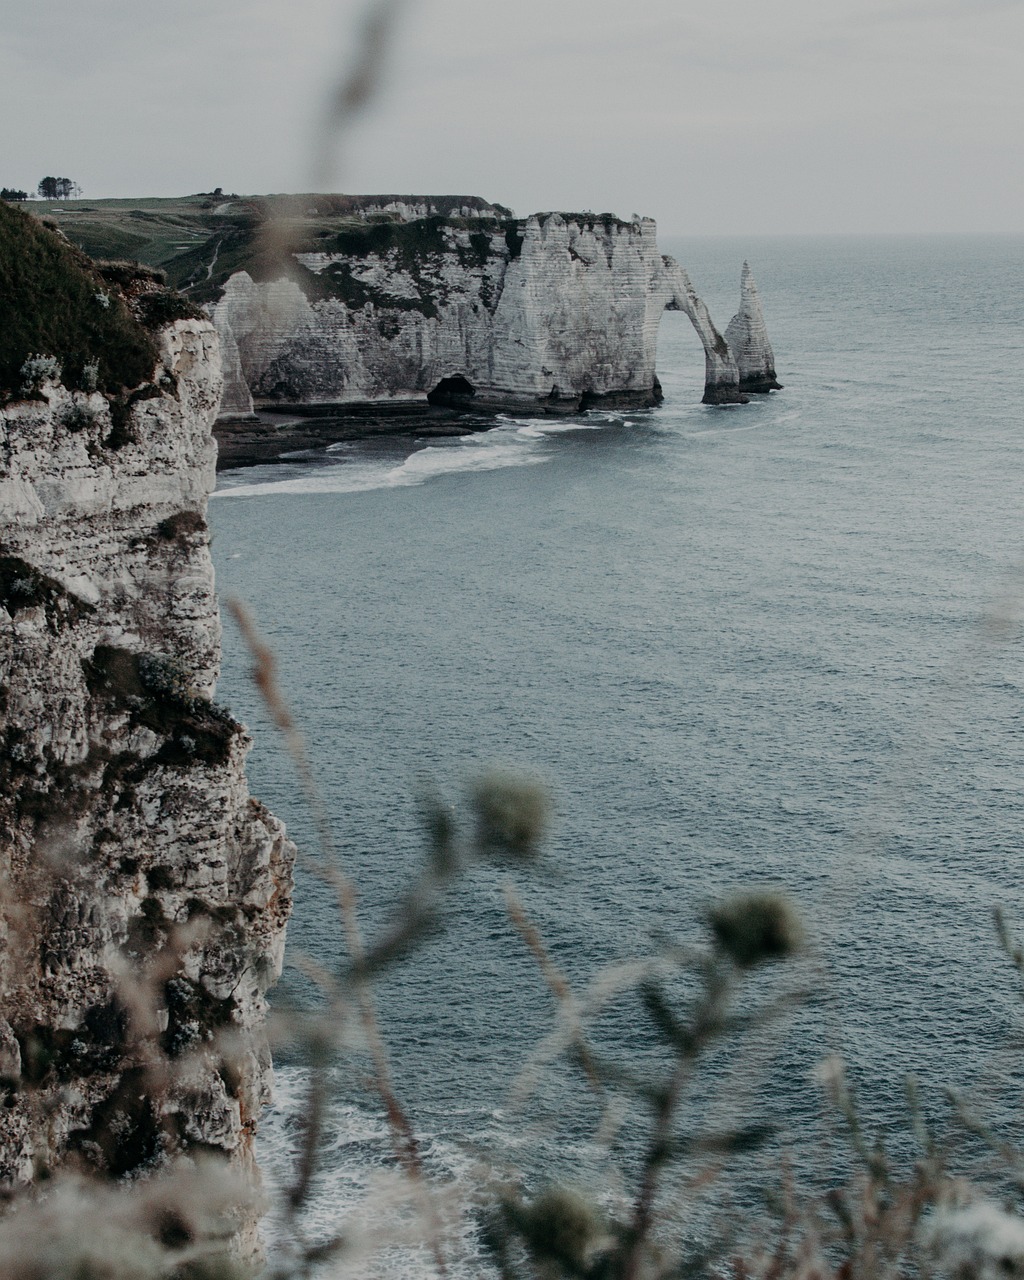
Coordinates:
<point>512,811</point>
<point>756,926</point>
<point>561,1225</point>
<point>980,1241</point>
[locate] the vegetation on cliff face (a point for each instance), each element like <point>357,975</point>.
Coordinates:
<point>415,249</point>
<point>53,302</point>
<point>64,315</point>
<point>200,241</point>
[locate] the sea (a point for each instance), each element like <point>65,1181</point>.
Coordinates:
<point>763,647</point>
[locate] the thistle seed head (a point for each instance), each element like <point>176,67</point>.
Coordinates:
<point>980,1241</point>
<point>512,812</point>
<point>756,926</point>
<point>561,1225</point>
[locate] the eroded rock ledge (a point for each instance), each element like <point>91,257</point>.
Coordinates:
<point>143,891</point>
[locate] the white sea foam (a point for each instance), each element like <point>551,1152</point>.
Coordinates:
<point>320,479</point>
<point>487,455</point>
<point>558,427</point>
<point>358,1191</point>
<point>350,471</point>
<point>343,468</point>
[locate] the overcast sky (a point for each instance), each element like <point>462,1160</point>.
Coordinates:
<point>754,116</point>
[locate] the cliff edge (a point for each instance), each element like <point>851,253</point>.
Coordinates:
<point>143,892</point>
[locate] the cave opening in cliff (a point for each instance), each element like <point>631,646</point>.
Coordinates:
<point>452,390</point>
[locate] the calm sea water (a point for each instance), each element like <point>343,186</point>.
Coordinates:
<point>776,644</point>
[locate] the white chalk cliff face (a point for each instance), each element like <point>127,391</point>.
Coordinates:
<point>551,313</point>
<point>143,892</point>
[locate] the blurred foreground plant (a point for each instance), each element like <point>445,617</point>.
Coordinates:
<point>689,1003</point>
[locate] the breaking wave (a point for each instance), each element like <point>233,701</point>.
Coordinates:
<point>359,466</point>
<point>357,1191</point>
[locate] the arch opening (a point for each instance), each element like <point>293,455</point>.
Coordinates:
<point>681,364</point>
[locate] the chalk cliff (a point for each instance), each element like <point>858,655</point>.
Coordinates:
<point>747,338</point>
<point>551,313</point>
<point>143,891</point>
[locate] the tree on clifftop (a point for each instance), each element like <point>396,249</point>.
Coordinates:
<point>58,189</point>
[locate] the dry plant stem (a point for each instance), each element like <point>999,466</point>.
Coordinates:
<point>404,1141</point>
<point>657,1156</point>
<point>707,1022</point>
<point>558,983</point>
<point>312,1129</point>
<point>777,1266</point>
<point>280,234</point>
<point>357,88</point>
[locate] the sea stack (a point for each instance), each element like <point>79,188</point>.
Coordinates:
<point>748,340</point>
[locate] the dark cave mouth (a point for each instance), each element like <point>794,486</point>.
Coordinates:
<point>454,389</point>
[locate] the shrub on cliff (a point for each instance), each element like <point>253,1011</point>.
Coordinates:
<point>54,302</point>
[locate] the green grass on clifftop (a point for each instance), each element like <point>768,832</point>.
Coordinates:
<point>54,302</point>
<point>201,240</point>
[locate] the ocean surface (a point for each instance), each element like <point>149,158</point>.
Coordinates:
<point>772,645</point>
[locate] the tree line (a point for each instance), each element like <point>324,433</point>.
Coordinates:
<point>49,188</point>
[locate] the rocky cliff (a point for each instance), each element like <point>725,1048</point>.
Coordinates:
<point>143,892</point>
<point>551,313</point>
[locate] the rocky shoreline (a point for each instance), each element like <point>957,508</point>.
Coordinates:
<point>270,436</point>
<point>273,432</point>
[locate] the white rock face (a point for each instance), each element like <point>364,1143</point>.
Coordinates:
<point>410,211</point>
<point>143,892</point>
<point>748,340</point>
<point>550,313</point>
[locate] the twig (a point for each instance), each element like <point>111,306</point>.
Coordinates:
<point>559,985</point>
<point>706,1024</point>
<point>404,1142</point>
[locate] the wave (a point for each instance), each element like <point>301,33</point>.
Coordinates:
<point>345,468</point>
<point>358,1191</point>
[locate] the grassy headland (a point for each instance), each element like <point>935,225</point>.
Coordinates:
<point>200,240</point>
<point>56,303</point>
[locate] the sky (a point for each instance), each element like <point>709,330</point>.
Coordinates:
<point>751,117</point>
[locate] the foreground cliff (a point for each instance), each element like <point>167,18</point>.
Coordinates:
<point>143,892</point>
<point>553,313</point>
